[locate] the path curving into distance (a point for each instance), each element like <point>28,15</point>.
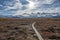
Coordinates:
<point>37,33</point>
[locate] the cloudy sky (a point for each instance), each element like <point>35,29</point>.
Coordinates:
<point>19,7</point>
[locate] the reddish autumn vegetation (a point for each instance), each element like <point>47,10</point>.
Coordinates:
<point>20,29</point>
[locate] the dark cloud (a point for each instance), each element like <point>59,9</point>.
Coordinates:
<point>5,2</point>
<point>23,6</point>
<point>24,2</point>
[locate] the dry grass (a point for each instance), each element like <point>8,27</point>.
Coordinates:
<point>20,29</point>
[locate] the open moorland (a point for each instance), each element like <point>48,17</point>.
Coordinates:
<point>21,29</point>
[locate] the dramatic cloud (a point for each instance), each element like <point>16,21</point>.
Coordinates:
<point>27,7</point>
<point>36,6</point>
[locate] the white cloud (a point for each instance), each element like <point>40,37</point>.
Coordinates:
<point>33,7</point>
<point>29,10</point>
<point>34,4</point>
<point>49,1</point>
<point>17,5</point>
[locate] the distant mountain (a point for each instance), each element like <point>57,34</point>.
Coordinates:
<point>33,15</point>
<point>56,16</point>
